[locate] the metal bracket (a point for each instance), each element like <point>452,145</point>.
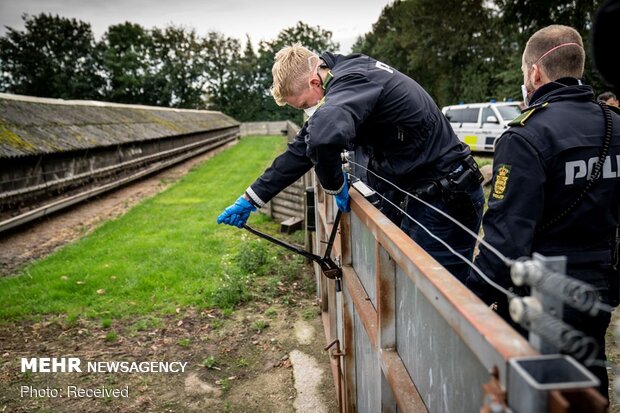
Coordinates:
<point>336,355</point>
<point>494,394</point>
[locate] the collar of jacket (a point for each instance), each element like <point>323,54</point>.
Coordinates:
<point>329,58</point>
<point>564,88</point>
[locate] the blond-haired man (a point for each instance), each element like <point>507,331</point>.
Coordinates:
<point>356,101</point>
<point>547,195</point>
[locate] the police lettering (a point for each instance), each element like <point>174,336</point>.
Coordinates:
<point>578,169</point>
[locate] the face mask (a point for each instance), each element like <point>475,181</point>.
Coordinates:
<point>310,111</point>
<point>524,93</point>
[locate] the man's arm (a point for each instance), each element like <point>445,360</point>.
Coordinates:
<point>285,169</point>
<point>515,208</point>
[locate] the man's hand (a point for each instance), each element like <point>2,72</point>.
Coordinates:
<point>342,198</point>
<point>237,214</point>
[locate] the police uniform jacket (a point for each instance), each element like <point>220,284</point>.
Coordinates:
<point>371,105</point>
<point>540,167</point>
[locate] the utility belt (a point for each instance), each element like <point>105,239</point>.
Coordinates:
<point>462,178</point>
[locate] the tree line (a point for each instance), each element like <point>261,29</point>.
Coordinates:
<point>470,50</point>
<point>59,57</point>
<point>458,50</point>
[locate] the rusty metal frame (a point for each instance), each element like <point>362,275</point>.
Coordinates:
<point>490,339</point>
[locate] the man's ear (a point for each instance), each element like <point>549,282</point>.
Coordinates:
<point>539,76</point>
<point>314,81</point>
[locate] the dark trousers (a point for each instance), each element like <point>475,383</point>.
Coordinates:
<point>594,327</point>
<point>466,207</point>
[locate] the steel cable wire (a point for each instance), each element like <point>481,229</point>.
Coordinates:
<point>569,340</point>
<point>499,255</point>
<point>507,261</point>
<point>445,244</point>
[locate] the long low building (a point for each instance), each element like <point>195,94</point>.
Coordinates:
<point>52,149</point>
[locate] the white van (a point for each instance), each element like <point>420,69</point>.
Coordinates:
<point>480,124</point>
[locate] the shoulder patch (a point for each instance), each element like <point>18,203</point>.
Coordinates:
<point>522,118</point>
<point>501,181</point>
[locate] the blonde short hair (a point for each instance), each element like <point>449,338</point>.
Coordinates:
<point>565,61</point>
<point>291,69</point>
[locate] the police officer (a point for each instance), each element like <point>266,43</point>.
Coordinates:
<point>357,101</point>
<point>540,198</point>
<point>609,98</point>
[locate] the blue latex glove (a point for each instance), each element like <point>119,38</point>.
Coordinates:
<point>237,214</point>
<point>342,198</point>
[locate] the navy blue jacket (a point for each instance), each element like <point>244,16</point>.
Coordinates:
<point>539,168</point>
<point>371,105</point>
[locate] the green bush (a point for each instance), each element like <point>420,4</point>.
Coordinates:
<point>233,290</point>
<point>289,266</point>
<point>252,257</point>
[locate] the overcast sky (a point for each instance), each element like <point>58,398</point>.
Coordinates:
<point>262,20</point>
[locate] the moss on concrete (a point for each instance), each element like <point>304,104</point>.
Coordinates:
<point>170,125</point>
<point>28,127</point>
<point>11,139</point>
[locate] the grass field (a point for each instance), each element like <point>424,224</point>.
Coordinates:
<point>165,253</point>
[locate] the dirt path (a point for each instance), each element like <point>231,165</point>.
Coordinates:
<point>229,364</point>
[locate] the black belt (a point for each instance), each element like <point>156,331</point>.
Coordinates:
<point>460,179</point>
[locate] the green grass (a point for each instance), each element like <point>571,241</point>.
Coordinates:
<point>165,253</point>
<point>260,325</point>
<point>184,342</point>
<point>210,362</point>
<point>483,160</point>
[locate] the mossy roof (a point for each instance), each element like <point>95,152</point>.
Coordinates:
<point>35,126</point>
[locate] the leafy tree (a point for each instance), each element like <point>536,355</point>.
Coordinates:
<point>125,50</point>
<point>240,83</point>
<point>387,41</point>
<point>469,50</point>
<point>178,68</point>
<point>433,42</point>
<point>528,16</point>
<point>241,94</point>
<point>53,57</point>
<point>521,18</point>
<point>223,71</point>
<point>170,67</point>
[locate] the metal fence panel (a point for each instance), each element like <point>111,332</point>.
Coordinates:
<point>339,318</point>
<point>363,257</point>
<point>413,338</point>
<point>446,373</point>
<point>367,372</point>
